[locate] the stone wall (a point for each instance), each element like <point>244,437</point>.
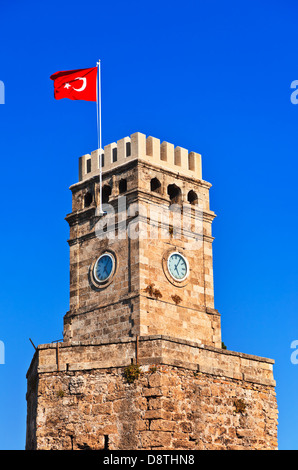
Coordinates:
<point>186,397</point>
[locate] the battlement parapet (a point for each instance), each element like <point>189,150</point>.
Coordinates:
<point>149,149</point>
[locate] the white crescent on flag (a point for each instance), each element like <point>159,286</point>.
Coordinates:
<point>80,84</point>
<point>84,84</point>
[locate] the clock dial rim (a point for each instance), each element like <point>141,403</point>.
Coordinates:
<point>106,279</point>
<point>185,261</point>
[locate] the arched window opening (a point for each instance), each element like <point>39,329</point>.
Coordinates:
<point>175,194</point>
<point>122,186</point>
<point>114,156</point>
<point>155,185</point>
<point>88,198</point>
<point>105,194</point>
<point>128,149</point>
<point>192,197</point>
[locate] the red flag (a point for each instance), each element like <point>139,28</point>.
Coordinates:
<point>75,84</point>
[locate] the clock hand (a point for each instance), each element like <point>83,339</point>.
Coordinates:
<point>177,265</point>
<point>105,266</point>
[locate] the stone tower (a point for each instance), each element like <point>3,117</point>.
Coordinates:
<point>141,365</point>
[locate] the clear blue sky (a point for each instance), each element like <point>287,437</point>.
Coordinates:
<point>213,77</point>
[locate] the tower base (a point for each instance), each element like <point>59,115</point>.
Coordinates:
<point>182,395</point>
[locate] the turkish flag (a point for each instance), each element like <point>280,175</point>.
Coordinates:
<point>75,84</point>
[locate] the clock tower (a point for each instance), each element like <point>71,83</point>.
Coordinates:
<point>141,364</point>
<point>145,267</point>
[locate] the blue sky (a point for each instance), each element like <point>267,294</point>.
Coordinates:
<point>213,77</point>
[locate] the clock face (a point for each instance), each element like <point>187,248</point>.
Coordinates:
<point>104,267</point>
<point>178,266</point>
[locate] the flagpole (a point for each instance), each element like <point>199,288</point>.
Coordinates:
<point>99,137</point>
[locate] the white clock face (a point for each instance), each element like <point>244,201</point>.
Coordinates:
<point>104,267</point>
<point>178,266</point>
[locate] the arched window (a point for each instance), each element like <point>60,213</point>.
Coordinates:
<point>175,194</point>
<point>88,165</point>
<point>155,185</point>
<point>128,149</point>
<point>122,186</point>
<point>88,198</point>
<point>192,197</point>
<point>105,194</point>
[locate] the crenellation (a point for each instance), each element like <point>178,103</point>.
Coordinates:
<point>181,157</point>
<point>83,167</point>
<point>122,150</point>
<point>153,148</point>
<point>108,155</point>
<point>167,153</point>
<point>195,163</point>
<point>137,146</point>
<point>94,163</point>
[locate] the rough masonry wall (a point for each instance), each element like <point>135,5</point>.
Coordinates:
<point>165,408</point>
<point>187,396</point>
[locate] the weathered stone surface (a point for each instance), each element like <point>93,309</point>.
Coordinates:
<point>167,407</point>
<point>179,416</point>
